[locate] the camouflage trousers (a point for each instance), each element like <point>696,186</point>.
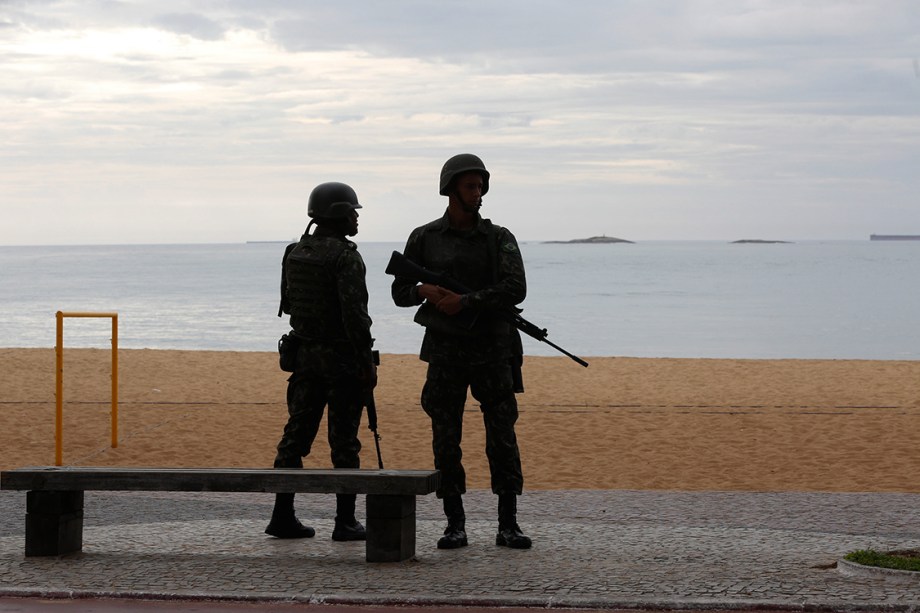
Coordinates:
<point>443,400</point>
<point>321,378</point>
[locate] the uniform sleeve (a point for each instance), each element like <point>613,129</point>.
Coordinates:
<point>405,291</point>
<point>352,290</point>
<point>510,288</point>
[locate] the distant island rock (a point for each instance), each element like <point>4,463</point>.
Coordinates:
<point>759,241</point>
<point>592,240</point>
<point>894,237</point>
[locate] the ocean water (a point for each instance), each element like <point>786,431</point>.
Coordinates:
<point>833,300</point>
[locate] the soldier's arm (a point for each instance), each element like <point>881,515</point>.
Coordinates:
<point>352,291</point>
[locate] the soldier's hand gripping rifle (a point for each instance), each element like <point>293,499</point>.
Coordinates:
<point>400,266</point>
<point>371,406</point>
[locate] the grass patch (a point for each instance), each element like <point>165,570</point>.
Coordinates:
<point>908,559</point>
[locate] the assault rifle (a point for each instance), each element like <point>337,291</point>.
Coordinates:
<point>400,266</point>
<point>372,414</point>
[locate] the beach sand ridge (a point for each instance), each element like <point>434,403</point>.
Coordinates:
<point>622,423</point>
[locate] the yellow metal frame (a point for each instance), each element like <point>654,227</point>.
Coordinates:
<point>59,381</point>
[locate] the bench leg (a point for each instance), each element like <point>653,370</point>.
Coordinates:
<point>54,522</point>
<point>390,528</point>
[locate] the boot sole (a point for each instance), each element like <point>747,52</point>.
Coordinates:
<point>292,535</point>
<point>453,544</point>
<point>501,542</point>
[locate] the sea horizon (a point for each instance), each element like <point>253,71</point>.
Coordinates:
<point>823,299</point>
<point>359,240</point>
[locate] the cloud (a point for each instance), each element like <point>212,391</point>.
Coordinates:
<point>649,114</point>
<point>191,24</point>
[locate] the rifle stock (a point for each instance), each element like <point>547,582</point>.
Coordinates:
<point>400,266</point>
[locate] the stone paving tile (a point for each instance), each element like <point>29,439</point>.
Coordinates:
<point>592,548</point>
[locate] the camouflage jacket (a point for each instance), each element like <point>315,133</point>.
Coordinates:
<point>326,292</point>
<point>487,260</point>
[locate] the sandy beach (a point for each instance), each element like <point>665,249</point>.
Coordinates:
<point>622,423</point>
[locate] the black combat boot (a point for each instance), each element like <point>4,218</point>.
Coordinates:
<point>455,532</point>
<point>509,533</point>
<point>347,528</point>
<point>284,525</point>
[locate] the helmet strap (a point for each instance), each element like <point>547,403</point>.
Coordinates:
<point>465,206</point>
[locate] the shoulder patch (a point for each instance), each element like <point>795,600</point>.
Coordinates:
<point>509,247</point>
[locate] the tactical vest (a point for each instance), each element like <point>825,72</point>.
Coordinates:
<point>310,277</point>
<point>481,258</point>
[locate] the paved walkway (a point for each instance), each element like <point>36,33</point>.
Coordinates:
<point>592,549</point>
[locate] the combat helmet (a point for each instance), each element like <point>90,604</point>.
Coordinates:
<point>331,201</point>
<point>459,164</point>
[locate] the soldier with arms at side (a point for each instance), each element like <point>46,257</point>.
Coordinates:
<point>325,293</point>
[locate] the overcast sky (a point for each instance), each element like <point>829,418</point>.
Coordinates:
<point>211,121</point>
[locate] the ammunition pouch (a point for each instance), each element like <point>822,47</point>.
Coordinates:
<point>288,346</point>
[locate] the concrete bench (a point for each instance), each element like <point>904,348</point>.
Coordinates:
<point>54,502</point>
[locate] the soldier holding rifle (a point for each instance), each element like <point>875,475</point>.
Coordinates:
<point>467,346</point>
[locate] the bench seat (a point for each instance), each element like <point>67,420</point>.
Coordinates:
<point>54,501</point>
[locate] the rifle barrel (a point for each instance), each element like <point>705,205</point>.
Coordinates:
<point>371,406</point>
<point>377,444</point>
<point>558,348</point>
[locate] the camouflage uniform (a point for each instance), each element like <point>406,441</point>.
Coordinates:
<point>327,300</point>
<point>472,350</point>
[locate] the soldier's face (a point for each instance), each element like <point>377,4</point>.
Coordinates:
<point>351,223</point>
<point>468,188</point>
